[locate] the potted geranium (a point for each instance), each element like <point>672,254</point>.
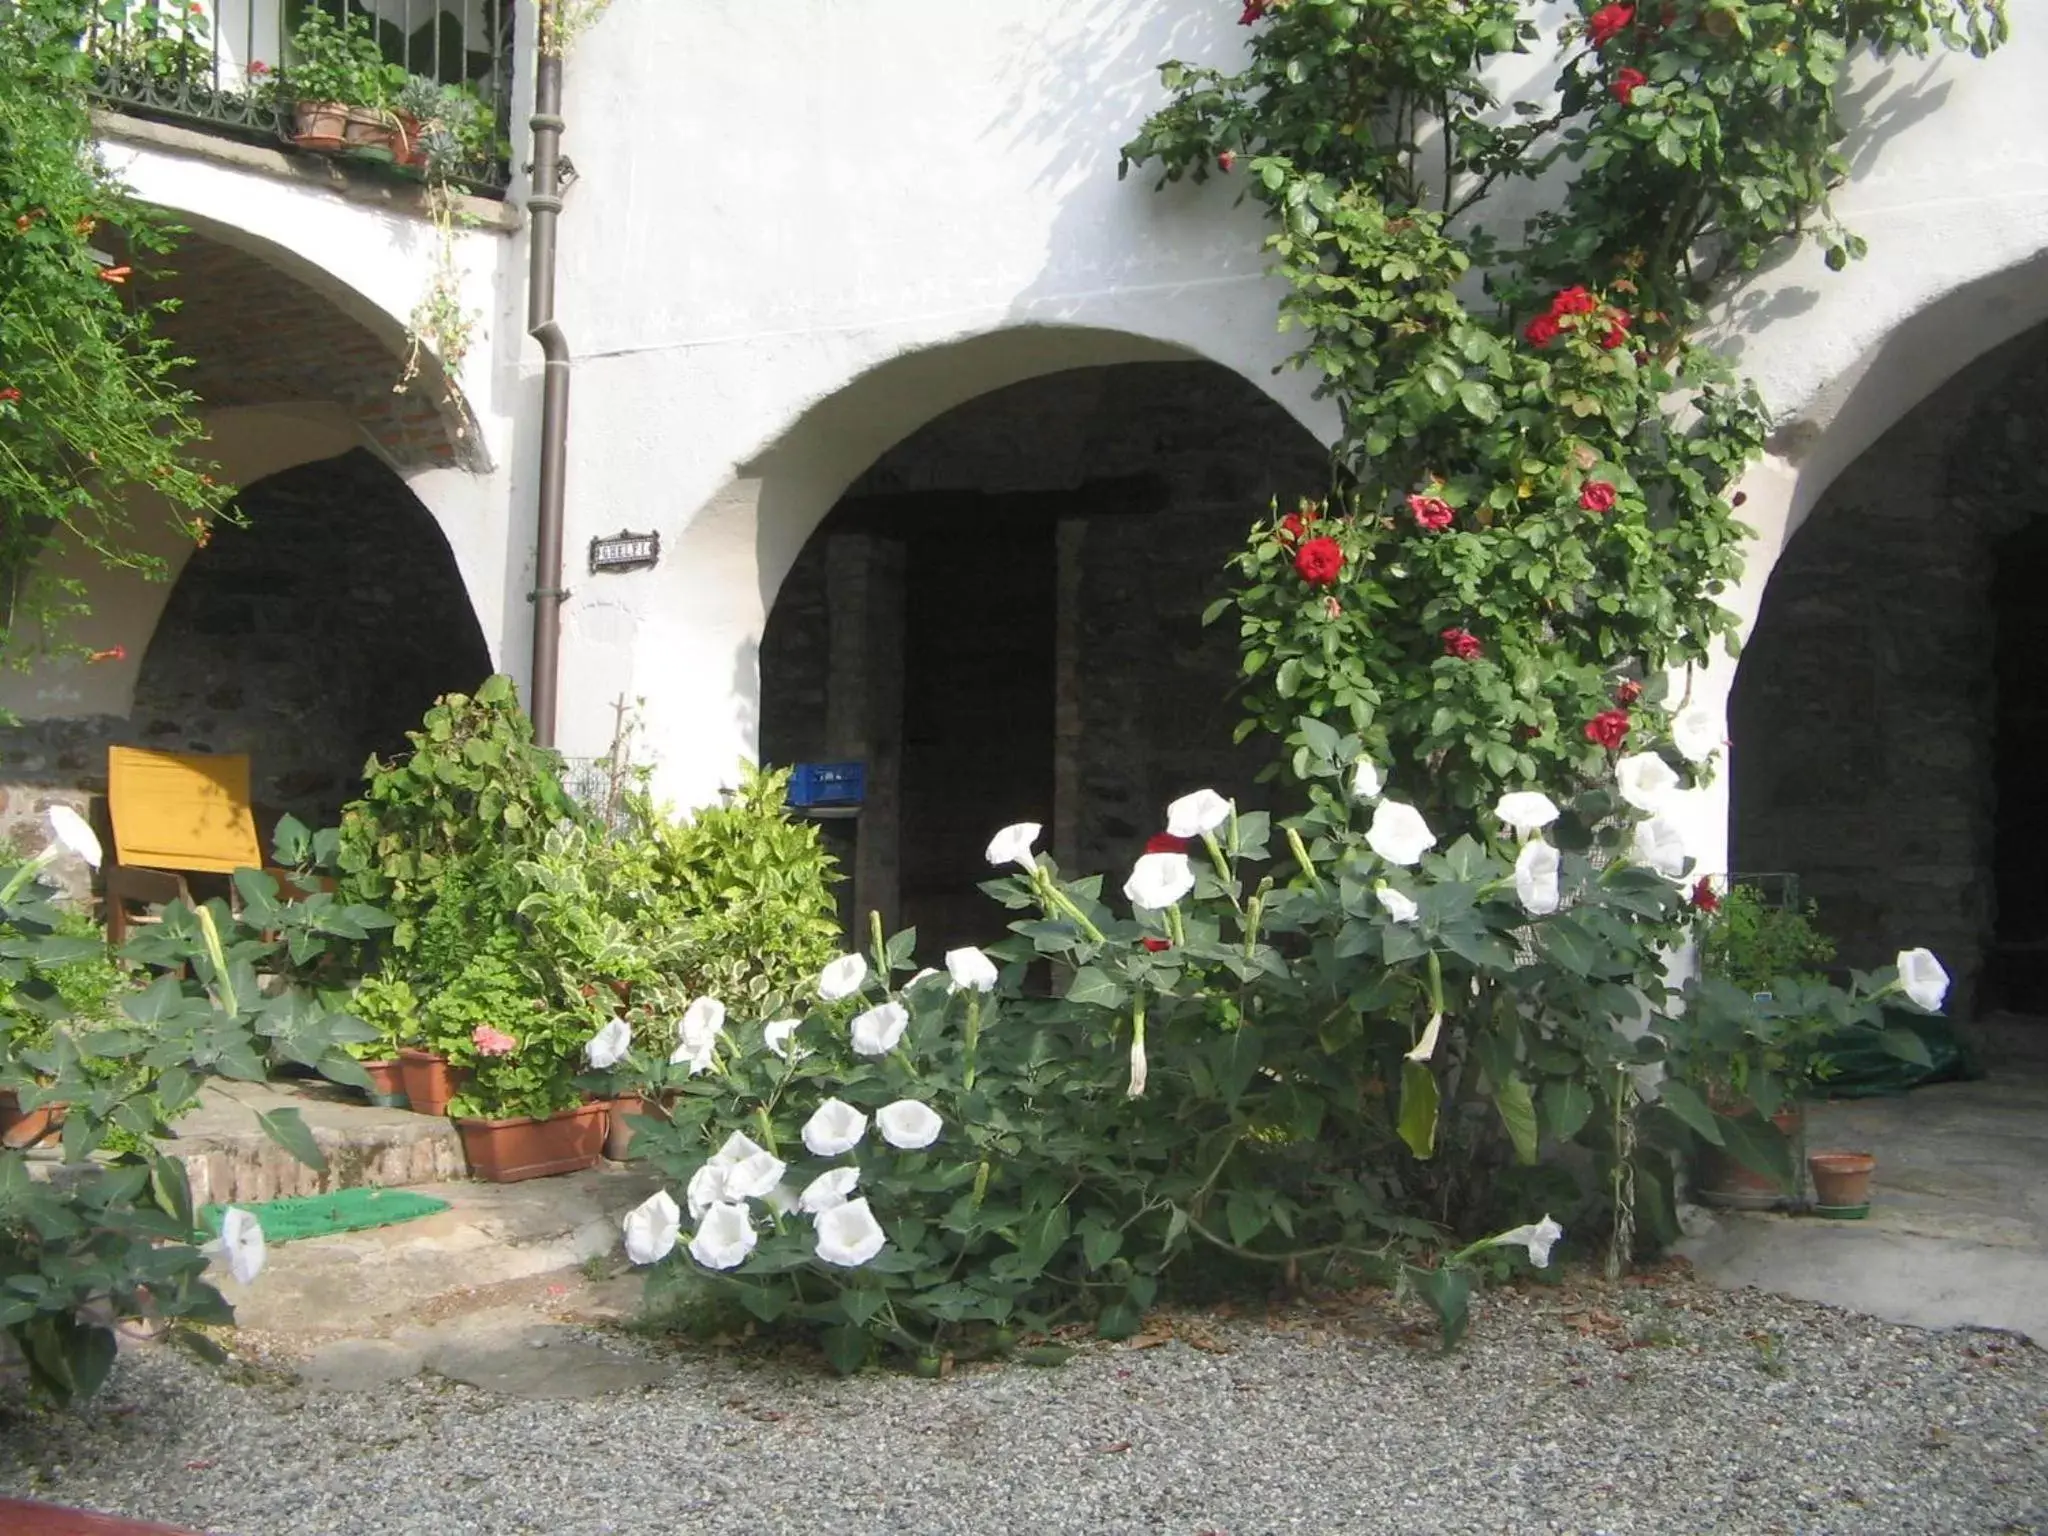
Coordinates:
<point>488,997</point>
<point>522,1115</point>
<point>342,87</point>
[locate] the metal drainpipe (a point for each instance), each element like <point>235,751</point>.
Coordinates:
<point>544,206</point>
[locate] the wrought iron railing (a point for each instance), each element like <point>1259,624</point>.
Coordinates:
<point>229,65</point>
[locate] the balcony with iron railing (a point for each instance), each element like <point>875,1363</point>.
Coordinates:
<point>399,87</point>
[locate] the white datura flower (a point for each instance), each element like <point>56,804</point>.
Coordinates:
<point>876,1032</point>
<point>652,1227</point>
<point>241,1240</point>
<point>971,970</point>
<point>848,1234</point>
<point>1525,812</point>
<point>1158,880</point>
<point>782,1199</point>
<point>1399,907</point>
<point>1698,732</point>
<point>778,1038</point>
<point>1646,781</point>
<point>1536,877</point>
<point>1012,845</point>
<point>724,1237</point>
<point>835,1127</point>
<point>1398,833</point>
<point>1539,1238</point>
<point>1923,979</point>
<point>923,976</point>
<point>72,833</point>
<point>909,1125</point>
<point>754,1177</point>
<point>1426,1046</point>
<point>1197,815</point>
<point>697,1035</point>
<point>842,978</point>
<point>832,1187</point>
<point>1366,779</point>
<point>1659,844</point>
<point>608,1047</point>
<point>706,1189</point>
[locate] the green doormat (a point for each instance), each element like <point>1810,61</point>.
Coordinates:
<point>346,1210</point>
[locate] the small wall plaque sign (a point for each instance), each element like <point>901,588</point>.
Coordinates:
<point>625,551</point>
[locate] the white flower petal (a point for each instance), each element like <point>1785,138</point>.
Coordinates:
<point>782,1199</point>
<point>835,1128</point>
<point>1366,780</point>
<point>1426,1046</point>
<point>1398,833</point>
<point>1923,978</point>
<point>1698,732</point>
<point>753,1177</point>
<point>848,1234</point>
<point>71,830</point>
<point>1646,781</point>
<point>908,1124</point>
<point>832,1187</point>
<point>241,1239</point>
<point>1536,877</point>
<point>1525,811</point>
<point>876,1032</point>
<point>776,1037</point>
<point>652,1227</point>
<point>1158,880</point>
<point>697,1034</point>
<point>608,1047</point>
<point>724,1237</point>
<point>842,978</point>
<point>1198,814</point>
<point>1399,907</point>
<point>971,970</point>
<point>1012,845</point>
<point>1539,1238</point>
<point>1660,844</point>
<point>706,1189</point>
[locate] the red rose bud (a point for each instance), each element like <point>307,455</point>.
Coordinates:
<point>1605,23</point>
<point>1704,897</point>
<point>1462,644</point>
<point>1626,83</point>
<point>1629,691</point>
<point>1225,161</point>
<point>1253,11</point>
<point>1319,562</point>
<point>1165,842</point>
<point>1541,331</point>
<point>1431,512</point>
<point>10,394</point>
<point>1597,496</point>
<point>1574,301</point>
<point>1609,728</point>
<point>1156,945</point>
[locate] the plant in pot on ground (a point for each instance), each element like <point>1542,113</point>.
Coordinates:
<point>386,1003</point>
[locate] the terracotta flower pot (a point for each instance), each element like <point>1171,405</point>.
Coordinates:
<point>618,1138</point>
<point>1841,1180</point>
<point>370,128</point>
<point>429,1081</point>
<point>506,1151</point>
<point>319,124</point>
<point>1725,1182</point>
<point>24,1128</point>
<point>387,1083</point>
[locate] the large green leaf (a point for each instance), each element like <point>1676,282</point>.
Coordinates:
<point>1761,1148</point>
<point>1567,1105</point>
<point>1518,1113</point>
<point>288,1128</point>
<point>1095,989</point>
<point>1449,1294</point>
<point>1419,1100</point>
<point>1686,1103</point>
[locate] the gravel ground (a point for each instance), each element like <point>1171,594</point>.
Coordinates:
<point>1662,1407</point>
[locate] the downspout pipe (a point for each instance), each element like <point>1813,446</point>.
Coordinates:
<point>544,208</point>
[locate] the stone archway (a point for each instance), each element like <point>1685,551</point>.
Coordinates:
<point>1002,619</point>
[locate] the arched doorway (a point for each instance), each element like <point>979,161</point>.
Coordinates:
<point>1002,619</point>
<point>1888,712</point>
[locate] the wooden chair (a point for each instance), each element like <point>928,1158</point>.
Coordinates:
<point>172,814</point>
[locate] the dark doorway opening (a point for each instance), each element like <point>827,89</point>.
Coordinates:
<point>2016,972</point>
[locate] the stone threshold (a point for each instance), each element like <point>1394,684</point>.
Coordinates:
<point>316,172</point>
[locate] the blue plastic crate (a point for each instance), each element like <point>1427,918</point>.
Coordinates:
<point>828,784</point>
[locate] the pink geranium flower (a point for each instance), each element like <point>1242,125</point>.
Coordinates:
<point>492,1042</point>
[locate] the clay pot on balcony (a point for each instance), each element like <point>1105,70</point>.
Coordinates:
<point>25,1127</point>
<point>320,125</point>
<point>387,1083</point>
<point>1841,1183</point>
<point>507,1151</point>
<point>429,1081</point>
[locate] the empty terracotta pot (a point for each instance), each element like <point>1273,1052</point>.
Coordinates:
<point>1841,1179</point>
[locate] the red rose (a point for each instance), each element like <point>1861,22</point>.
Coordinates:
<point>1319,561</point>
<point>1574,301</point>
<point>1462,644</point>
<point>1626,83</point>
<point>1604,23</point>
<point>1253,11</point>
<point>1629,691</point>
<point>1166,842</point>
<point>1597,496</point>
<point>1156,945</point>
<point>1225,161</point>
<point>1431,512</point>
<point>1609,728</point>
<point>10,394</point>
<point>1616,334</point>
<point>258,67</point>
<point>1704,897</point>
<point>1541,331</point>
